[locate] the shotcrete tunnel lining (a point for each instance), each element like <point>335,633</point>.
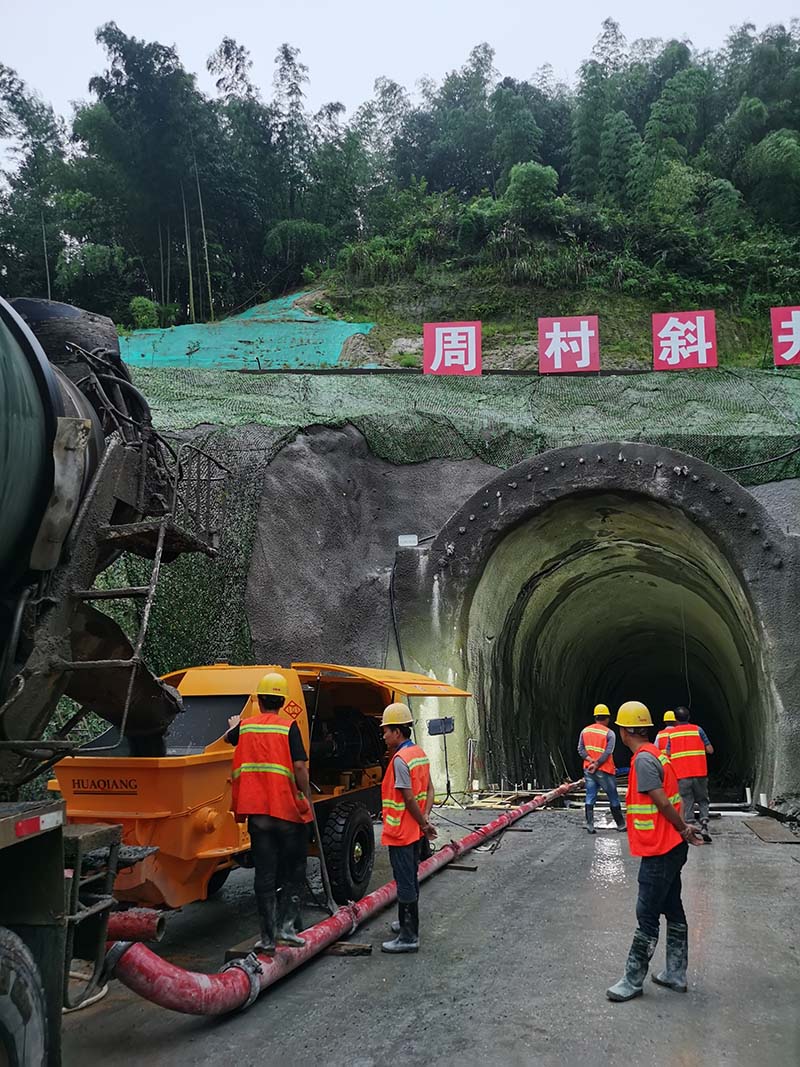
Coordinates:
<point>605,596</point>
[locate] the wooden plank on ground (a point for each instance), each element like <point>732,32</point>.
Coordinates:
<point>348,948</point>
<point>460,867</point>
<point>771,831</point>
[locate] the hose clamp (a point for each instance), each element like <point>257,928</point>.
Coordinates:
<point>251,965</point>
<point>113,956</point>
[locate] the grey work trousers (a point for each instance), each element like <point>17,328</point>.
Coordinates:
<point>694,791</point>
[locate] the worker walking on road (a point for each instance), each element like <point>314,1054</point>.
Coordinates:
<point>687,747</point>
<point>658,834</point>
<point>271,791</point>
<point>663,735</point>
<point>596,746</point>
<point>407,798</point>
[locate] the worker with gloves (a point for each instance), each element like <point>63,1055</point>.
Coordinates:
<point>596,746</point>
<point>406,798</point>
<point>658,834</point>
<point>663,735</point>
<point>271,791</point>
<point>687,747</point>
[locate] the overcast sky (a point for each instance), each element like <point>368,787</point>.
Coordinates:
<point>348,43</point>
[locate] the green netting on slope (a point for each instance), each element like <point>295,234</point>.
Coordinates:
<point>729,419</point>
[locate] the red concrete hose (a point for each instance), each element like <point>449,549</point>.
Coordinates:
<point>240,982</point>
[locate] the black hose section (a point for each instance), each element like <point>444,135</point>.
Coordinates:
<point>394,619</point>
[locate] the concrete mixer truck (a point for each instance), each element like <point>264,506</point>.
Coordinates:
<point>84,478</point>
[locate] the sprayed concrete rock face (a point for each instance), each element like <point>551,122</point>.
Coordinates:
<point>607,573</point>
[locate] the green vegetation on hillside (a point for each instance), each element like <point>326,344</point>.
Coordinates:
<point>665,179</point>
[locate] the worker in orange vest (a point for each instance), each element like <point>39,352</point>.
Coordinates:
<point>662,735</point>
<point>658,834</point>
<point>406,800</point>
<point>271,791</point>
<point>596,745</point>
<point>687,748</point>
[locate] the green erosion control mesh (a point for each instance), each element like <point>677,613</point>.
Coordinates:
<point>728,418</point>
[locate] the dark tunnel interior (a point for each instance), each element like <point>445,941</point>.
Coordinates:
<point>605,597</point>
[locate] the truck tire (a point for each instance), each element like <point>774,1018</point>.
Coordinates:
<point>23,1010</point>
<point>217,881</point>
<point>348,842</point>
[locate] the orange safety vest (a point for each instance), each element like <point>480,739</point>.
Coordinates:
<point>263,771</point>
<point>687,752</point>
<point>649,832</point>
<point>662,737</point>
<point>399,825</point>
<point>594,739</point>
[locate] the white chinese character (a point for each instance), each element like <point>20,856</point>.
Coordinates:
<point>793,337</point>
<point>455,347</point>
<point>682,340</point>
<point>569,341</point>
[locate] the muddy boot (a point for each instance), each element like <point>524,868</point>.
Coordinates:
<point>704,831</point>
<point>289,919</point>
<point>407,940</point>
<point>630,985</point>
<point>267,910</point>
<point>674,975</point>
<point>590,819</point>
<point>619,819</point>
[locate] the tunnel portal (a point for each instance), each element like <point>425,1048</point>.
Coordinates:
<point>607,573</point>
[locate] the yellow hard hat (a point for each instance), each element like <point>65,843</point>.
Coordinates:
<point>669,716</point>
<point>397,715</point>
<point>633,713</point>
<point>600,710</point>
<point>273,685</point>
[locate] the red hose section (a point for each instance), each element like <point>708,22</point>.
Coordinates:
<point>172,987</point>
<point>136,924</point>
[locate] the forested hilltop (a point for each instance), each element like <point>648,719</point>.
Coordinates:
<point>664,177</point>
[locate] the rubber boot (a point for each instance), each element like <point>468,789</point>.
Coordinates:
<point>704,831</point>
<point>630,985</point>
<point>290,913</point>
<point>619,819</point>
<point>674,975</point>
<point>590,819</point>
<point>267,911</point>
<point>407,940</point>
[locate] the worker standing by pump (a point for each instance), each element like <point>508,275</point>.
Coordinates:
<point>687,748</point>
<point>663,735</point>
<point>271,791</point>
<point>406,799</point>
<point>658,834</point>
<point>596,746</point>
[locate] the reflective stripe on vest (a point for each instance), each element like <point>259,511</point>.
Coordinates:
<point>594,739</point>
<point>263,781</point>
<point>649,832</point>
<point>687,752</point>
<point>662,738</point>
<point>399,825</point>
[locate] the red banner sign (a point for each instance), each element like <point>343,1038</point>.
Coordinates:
<point>451,348</point>
<point>684,340</point>
<point>569,344</point>
<point>785,335</point>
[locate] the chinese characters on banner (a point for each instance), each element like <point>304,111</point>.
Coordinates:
<point>569,344</point>
<point>785,335</point>
<point>451,348</point>
<point>684,340</point>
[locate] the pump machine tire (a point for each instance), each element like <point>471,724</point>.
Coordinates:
<point>217,881</point>
<point>348,842</point>
<point>23,1011</point>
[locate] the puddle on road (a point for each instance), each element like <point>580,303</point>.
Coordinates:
<point>607,867</point>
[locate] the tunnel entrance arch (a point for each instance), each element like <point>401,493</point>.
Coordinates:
<point>607,573</point>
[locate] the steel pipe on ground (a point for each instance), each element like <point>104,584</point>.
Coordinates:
<point>236,987</point>
<point>136,924</point>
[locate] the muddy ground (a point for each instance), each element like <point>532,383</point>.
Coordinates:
<point>514,962</point>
